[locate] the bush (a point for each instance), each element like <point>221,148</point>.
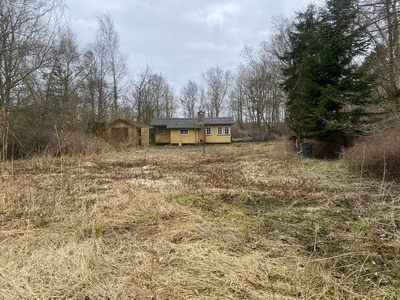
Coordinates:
<point>378,155</point>
<point>73,143</point>
<point>54,143</point>
<point>254,132</point>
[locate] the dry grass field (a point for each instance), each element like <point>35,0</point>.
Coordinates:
<point>240,221</point>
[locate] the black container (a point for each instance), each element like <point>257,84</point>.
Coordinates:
<point>306,149</point>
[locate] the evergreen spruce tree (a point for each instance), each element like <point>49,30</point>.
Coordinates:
<point>329,92</point>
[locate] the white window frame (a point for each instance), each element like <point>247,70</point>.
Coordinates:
<point>181,130</point>
<point>219,130</point>
<point>160,130</point>
<point>208,130</point>
<point>227,130</point>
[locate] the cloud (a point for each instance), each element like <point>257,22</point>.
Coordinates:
<point>205,46</point>
<point>217,15</point>
<point>181,38</point>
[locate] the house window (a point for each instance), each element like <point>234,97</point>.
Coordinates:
<point>227,130</point>
<point>208,130</point>
<point>219,130</point>
<point>160,130</point>
<point>183,131</point>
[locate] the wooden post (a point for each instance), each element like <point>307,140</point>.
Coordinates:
<point>201,121</point>
<point>3,134</point>
<point>145,136</point>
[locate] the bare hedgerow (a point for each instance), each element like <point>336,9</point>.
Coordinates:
<point>377,155</point>
<point>73,143</point>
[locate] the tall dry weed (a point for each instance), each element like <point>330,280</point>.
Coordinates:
<point>74,143</point>
<point>284,149</point>
<point>376,155</point>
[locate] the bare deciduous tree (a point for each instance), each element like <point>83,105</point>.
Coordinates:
<point>257,94</point>
<point>190,99</point>
<point>383,19</point>
<point>27,33</point>
<point>52,91</point>
<point>64,77</point>
<point>279,42</point>
<point>217,84</point>
<point>152,96</point>
<point>139,92</point>
<point>109,39</point>
<point>95,88</point>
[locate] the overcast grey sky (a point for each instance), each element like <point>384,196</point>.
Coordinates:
<point>182,38</point>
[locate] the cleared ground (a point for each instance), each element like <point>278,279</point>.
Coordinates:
<point>240,221</point>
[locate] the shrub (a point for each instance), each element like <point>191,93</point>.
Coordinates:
<point>254,132</point>
<point>378,155</point>
<point>55,143</point>
<point>73,143</point>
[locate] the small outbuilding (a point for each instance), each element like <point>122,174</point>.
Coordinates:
<point>129,133</point>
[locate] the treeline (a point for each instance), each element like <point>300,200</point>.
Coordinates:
<point>51,83</point>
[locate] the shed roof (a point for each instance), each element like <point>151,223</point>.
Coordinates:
<point>219,121</point>
<point>175,123</point>
<point>188,123</point>
<point>131,123</point>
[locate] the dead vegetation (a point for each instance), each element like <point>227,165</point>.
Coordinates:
<point>238,222</point>
<point>377,155</point>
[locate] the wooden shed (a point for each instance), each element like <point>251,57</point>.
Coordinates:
<point>129,133</point>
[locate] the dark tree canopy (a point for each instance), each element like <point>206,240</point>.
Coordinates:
<point>329,89</point>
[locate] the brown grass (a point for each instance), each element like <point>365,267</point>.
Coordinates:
<point>238,222</point>
<point>377,155</point>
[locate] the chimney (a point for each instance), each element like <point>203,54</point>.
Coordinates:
<point>201,120</point>
<point>200,117</point>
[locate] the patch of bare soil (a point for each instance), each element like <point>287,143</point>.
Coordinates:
<point>222,222</point>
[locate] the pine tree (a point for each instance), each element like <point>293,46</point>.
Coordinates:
<point>299,60</point>
<point>329,92</point>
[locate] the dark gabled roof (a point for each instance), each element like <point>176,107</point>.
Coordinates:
<point>176,123</point>
<point>131,123</point>
<point>220,121</point>
<point>188,123</point>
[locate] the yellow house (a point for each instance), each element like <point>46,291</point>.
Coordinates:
<point>193,130</point>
